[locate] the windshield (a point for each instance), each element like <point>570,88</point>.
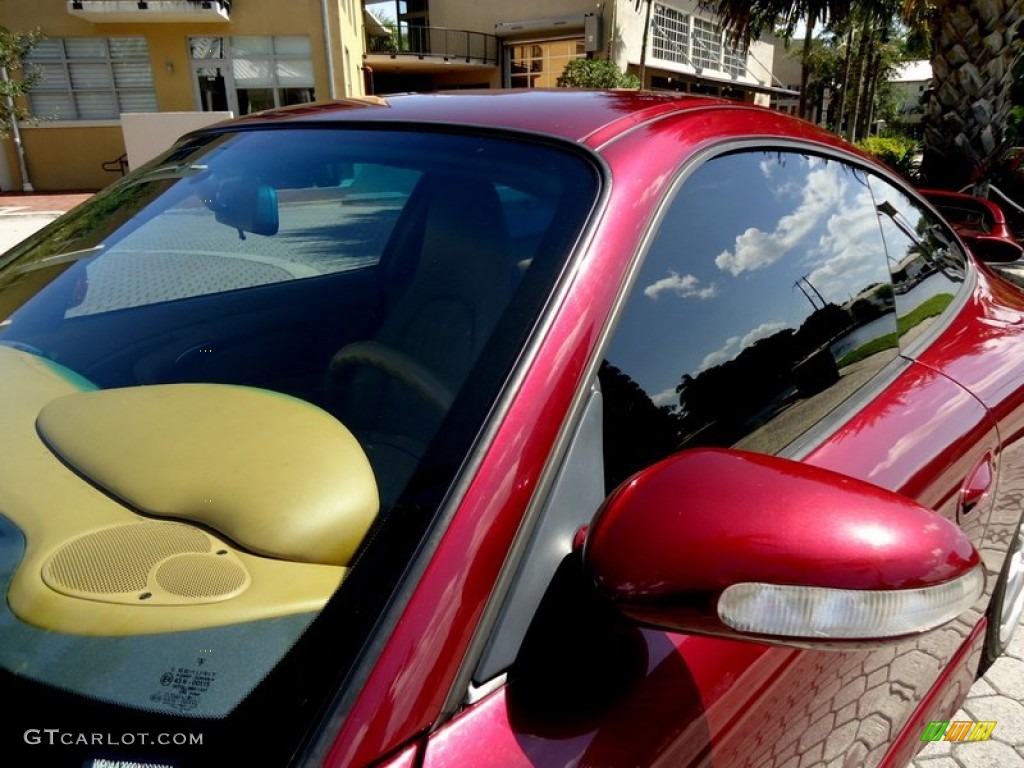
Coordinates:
<point>221,380</point>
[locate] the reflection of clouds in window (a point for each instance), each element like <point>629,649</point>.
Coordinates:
<point>666,397</point>
<point>844,257</point>
<point>763,331</point>
<point>684,286</point>
<point>719,356</point>
<point>736,344</point>
<point>755,249</point>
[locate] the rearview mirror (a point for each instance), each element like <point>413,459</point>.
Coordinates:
<point>756,547</point>
<point>247,205</point>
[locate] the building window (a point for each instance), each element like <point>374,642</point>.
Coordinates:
<point>538,65</point>
<point>249,73</point>
<point>271,71</point>
<point>707,44</point>
<point>734,60</point>
<point>684,39</point>
<point>91,78</point>
<point>671,35</point>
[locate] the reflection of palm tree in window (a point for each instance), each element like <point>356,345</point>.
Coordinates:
<point>637,432</point>
<point>721,404</point>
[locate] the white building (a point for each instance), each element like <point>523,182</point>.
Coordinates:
<point>910,81</point>
<point>496,44</point>
<point>689,51</point>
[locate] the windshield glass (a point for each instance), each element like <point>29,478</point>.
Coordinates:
<point>221,378</point>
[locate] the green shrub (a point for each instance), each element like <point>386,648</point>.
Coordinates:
<point>595,73</point>
<point>898,152</point>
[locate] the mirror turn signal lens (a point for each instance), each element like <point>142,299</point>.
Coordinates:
<point>816,612</point>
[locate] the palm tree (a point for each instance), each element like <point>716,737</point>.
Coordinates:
<point>852,60</point>
<point>747,19</point>
<point>974,47</point>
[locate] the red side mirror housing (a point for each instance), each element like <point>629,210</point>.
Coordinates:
<point>751,546</point>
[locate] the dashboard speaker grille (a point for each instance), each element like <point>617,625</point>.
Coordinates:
<point>152,563</point>
<point>200,576</point>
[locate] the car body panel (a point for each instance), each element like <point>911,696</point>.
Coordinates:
<point>731,690</point>
<point>416,670</point>
<point>970,215</point>
<point>700,704</point>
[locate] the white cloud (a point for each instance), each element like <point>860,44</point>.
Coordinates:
<point>736,344</point>
<point>847,255</point>
<point>719,356</point>
<point>666,397</point>
<point>684,286</point>
<point>763,331</point>
<point>756,249</point>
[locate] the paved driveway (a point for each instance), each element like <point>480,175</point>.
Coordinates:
<point>997,696</point>
<point>21,215</point>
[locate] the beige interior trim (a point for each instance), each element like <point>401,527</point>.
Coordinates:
<point>275,474</point>
<point>57,510</point>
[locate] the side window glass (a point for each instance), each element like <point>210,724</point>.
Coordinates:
<point>927,265</point>
<point>763,303</point>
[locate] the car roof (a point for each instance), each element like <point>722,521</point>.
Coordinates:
<point>575,115</point>
<point>594,118</point>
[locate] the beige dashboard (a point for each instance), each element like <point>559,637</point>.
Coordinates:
<point>173,507</point>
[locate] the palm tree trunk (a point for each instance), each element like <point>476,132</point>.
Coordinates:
<point>643,45</point>
<point>871,65</point>
<point>975,45</point>
<point>860,67</point>
<point>844,93</point>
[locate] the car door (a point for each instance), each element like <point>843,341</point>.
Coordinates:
<point>967,327</point>
<point>762,317</point>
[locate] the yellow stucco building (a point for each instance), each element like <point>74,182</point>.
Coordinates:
<point>102,58</point>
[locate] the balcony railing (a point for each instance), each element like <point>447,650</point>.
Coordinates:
<point>435,42</point>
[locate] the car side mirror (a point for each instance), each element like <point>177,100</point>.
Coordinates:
<point>247,205</point>
<point>755,547</point>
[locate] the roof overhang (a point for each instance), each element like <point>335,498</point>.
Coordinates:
<point>373,26</point>
<point>551,26</point>
<point>723,81</point>
<point>423,65</point>
<point>161,11</point>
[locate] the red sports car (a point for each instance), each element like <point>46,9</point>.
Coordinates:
<point>519,429</point>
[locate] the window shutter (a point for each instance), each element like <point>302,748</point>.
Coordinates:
<point>92,78</point>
